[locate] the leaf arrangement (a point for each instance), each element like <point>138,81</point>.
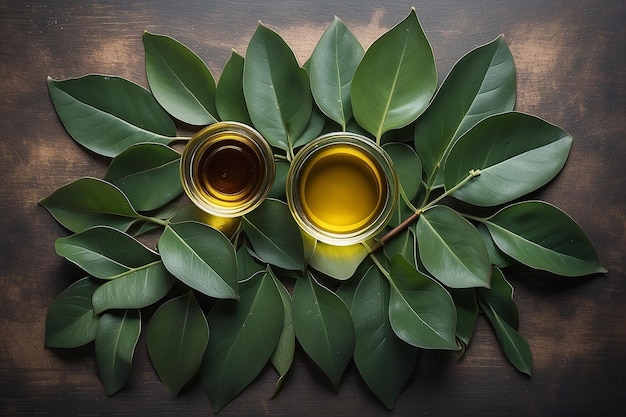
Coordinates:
<point>224,302</point>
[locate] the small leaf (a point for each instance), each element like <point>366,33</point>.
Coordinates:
<point>543,237</point>
<point>516,153</point>
<point>89,202</point>
<point>201,257</point>
<point>108,114</point>
<point>500,298</point>
<point>498,258</point>
<point>339,262</point>
<point>421,311</point>
<point>179,80</point>
<point>229,98</point>
<point>116,338</point>
<point>407,166</point>
<point>244,335</point>
<point>279,189</point>
<point>274,235</point>
<point>403,244</point>
<point>323,327</point>
<point>451,249</point>
<point>466,313</point>
<point>395,80</point>
<point>282,358</point>
<point>70,321</point>
<point>247,265</point>
<point>148,174</point>
<point>177,337</point>
<point>332,67</point>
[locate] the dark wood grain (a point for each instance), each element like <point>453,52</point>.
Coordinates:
<point>571,63</point>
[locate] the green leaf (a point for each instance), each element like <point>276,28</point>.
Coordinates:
<point>107,114</point>
<point>139,289</point>
<point>466,313</point>
<point>407,166</point>
<point>148,174</point>
<point>70,321</point>
<point>276,89</point>
<point>107,253</point>
<point>323,327</point>
<point>313,129</point>
<point>177,337</point>
<point>481,84</point>
<point>282,358</point>
<point>247,265</point>
<point>274,235</point>
<point>516,153</point>
<point>498,258</point>
<point>244,335</point>
<point>89,202</point>
<point>116,338</point>
<point>229,98</point>
<point>403,244</point>
<point>227,225</point>
<point>332,67</point>
<point>201,257</point>
<point>421,311</point>
<point>543,237</point>
<point>384,361</point>
<point>279,187</point>
<point>395,80</point>
<point>452,249</point>
<point>500,299</point>
<point>179,80</point>
<point>339,262</point>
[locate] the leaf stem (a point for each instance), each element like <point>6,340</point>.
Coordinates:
<point>473,173</point>
<point>381,268</point>
<point>155,220</point>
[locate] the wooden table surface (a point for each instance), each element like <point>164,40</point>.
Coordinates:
<point>571,67</point>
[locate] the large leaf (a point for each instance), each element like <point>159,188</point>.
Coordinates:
<point>105,252</point>
<point>70,321</point>
<point>395,80</point>
<point>384,361</point>
<point>421,311</point>
<point>331,69</point>
<point>282,357</point>
<point>201,257</point>
<point>323,327</point>
<point>148,174</point>
<point>516,153</point>
<point>179,80</point>
<point>116,338</point>
<point>107,114</point>
<point>227,225</point>
<point>480,84</point>
<point>177,337</point>
<point>339,262</point>
<point>274,235</point>
<point>276,89</point>
<point>543,237</point>
<point>452,249</point>
<point>244,334</point>
<point>229,98</point>
<point>89,202</point>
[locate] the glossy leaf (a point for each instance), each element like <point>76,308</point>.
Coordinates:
<point>498,258</point>
<point>89,202</point>
<point>323,327</point>
<point>395,80</point>
<point>116,338</point>
<point>466,313</point>
<point>407,166</point>
<point>452,249</point>
<point>247,265</point>
<point>282,357</point>
<point>516,153</point>
<point>421,311</point>
<point>276,89</point>
<point>404,244</point>
<point>201,257</point>
<point>244,334</point>
<point>313,129</point>
<point>179,80</point>
<point>70,321</point>
<point>148,174</point>
<point>274,235</point>
<point>339,262</point>
<point>384,361</point>
<point>227,225</point>
<point>543,237</point>
<point>177,337</point>
<point>108,114</point>
<point>500,298</point>
<point>229,98</point>
<point>332,67</point>
<point>481,84</point>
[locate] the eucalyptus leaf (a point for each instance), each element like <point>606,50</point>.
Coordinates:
<point>481,84</point>
<point>498,258</point>
<point>229,98</point>
<point>339,262</point>
<point>148,174</point>
<point>332,67</point>
<point>407,166</point>
<point>279,189</point>
<point>282,357</point>
<point>227,225</point>
<point>516,153</point>
<point>395,80</point>
<point>244,334</point>
<point>107,114</point>
<point>452,249</point>
<point>404,244</point>
<point>500,299</point>
<point>70,321</point>
<point>177,337</point>
<point>466,313</point>
<point>543,237</point>
<point>201,257</point>
<point>323,327</point>
<point>313,129</point>
<point>179,80</point>
<point>247,265</point>
<point>116,338</point>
